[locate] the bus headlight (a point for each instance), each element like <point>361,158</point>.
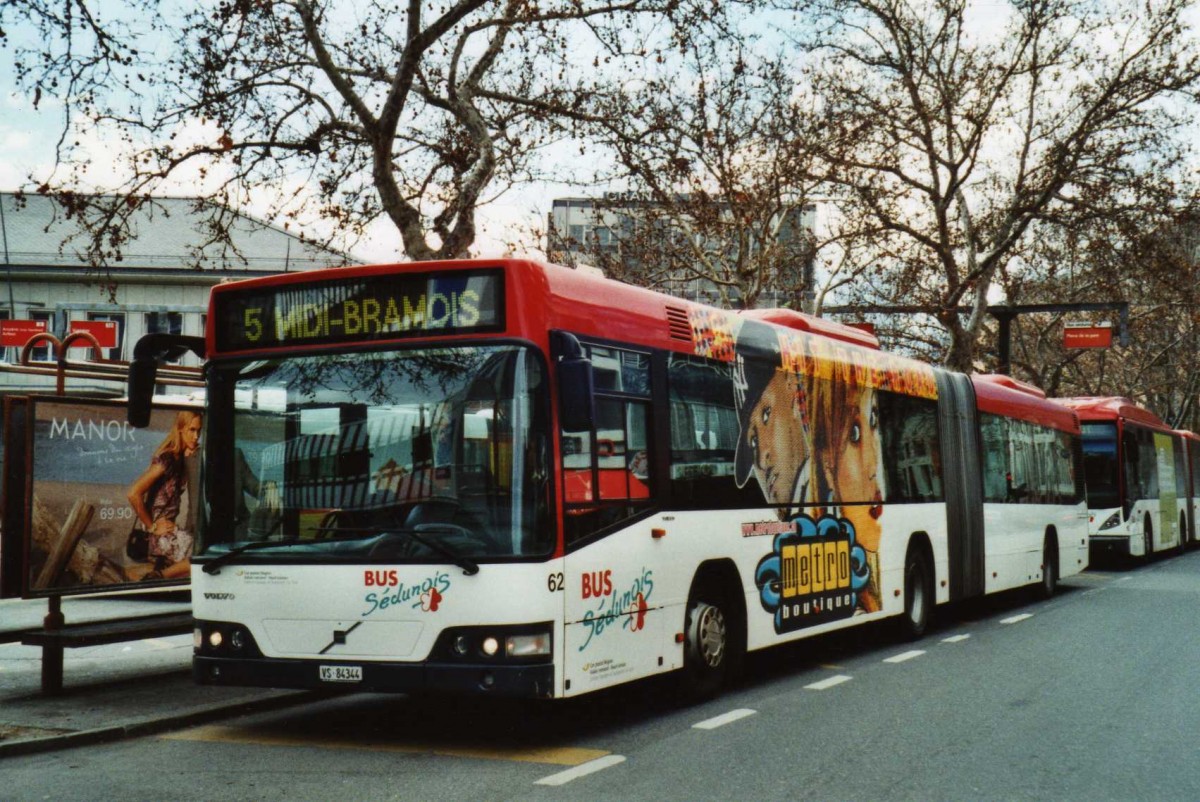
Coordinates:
<point>1112,520</point>
<point>496,644</point>
<point>224,639</point>
<point>537,645</point>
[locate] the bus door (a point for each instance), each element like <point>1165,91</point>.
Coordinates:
<point>959,433</point>
<point>1168,506</point>
<point>613,619</point>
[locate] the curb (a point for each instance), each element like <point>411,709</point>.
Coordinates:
<point>30,746</point>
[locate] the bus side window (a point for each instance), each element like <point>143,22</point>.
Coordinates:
<point>1194,460</point>
<point>1133,473</point>
<point>912,454</point>
<point>606,470</point>
<point>704,435</point>
<point>997,475</point>
<point>1149,465</point>
<point>1181,482</point>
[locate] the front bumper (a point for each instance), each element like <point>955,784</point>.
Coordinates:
<point>522,681</point>
<point>1108,546</point>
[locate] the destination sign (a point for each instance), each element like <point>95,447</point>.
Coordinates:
<point>367,307</point>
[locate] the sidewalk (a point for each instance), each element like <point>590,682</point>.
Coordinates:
<point>114,691</point>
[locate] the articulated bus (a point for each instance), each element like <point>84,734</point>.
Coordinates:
<point>1137,475</point>
<point>510,478</point>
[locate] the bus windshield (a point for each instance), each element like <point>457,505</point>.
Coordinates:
<point>420,454</point>
<point>1101,469</point>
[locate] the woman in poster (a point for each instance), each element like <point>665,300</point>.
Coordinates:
<point>157,497</point>
<point>846,441</point>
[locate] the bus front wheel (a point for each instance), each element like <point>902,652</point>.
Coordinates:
<point>708,646</point>
<point>1148,537</point>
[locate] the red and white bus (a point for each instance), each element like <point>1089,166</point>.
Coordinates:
<point>514,478</point>
<point>1137,477</point>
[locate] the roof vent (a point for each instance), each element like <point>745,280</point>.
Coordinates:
<point>678,325</point>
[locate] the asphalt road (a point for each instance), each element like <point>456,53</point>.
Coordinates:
<point>1090,696</point>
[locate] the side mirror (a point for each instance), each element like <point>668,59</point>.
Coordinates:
<point>575,394</point>
<point>142,373</point>
<point>575,383</point>
<point>143,370</point>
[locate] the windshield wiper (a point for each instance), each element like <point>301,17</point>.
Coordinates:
<point>213,566</point>
<point>469,567</point>
<point>418,533</point>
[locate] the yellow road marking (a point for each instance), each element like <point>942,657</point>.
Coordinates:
<point>558,756</point>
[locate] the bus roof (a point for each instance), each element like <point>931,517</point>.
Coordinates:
<point>540,296</point>
<point>1004,395</point>
<point>1099,408</point>
<point>790,318</point>
<point>586,298</point>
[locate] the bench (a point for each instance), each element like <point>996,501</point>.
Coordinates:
<point>97,633</point>
<point>13,635</point>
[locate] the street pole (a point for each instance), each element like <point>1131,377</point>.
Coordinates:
<point>12,305</point>
<point>1004,315</point>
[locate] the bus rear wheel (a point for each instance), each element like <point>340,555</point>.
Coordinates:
<point>918,594</point>
<point>1148,537</point>
<point>708,646</point>
<point>1049,567</point>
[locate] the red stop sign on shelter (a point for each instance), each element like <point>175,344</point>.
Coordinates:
<point>105,332</point>
<point>17,332</point>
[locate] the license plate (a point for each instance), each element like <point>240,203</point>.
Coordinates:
<point>341,673</point>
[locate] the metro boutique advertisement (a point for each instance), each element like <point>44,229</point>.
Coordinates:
<point>108,504</point>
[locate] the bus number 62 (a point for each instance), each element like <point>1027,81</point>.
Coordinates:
<point>555,582</point>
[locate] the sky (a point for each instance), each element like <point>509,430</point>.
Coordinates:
<point>28,137</point>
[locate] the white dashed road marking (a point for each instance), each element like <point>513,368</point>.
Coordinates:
<point>955,639</point>
<point>900,658</point>
<point>591,767</point>
<point>727,718</point>
<point>1016,618</point>
<point>828,683</point>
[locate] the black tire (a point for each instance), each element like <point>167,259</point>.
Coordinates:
<point>1182,547</point>
<point>1148,537</point>
<point>710,644</point>
<point>918,595</point>
<point>1049,568</point>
